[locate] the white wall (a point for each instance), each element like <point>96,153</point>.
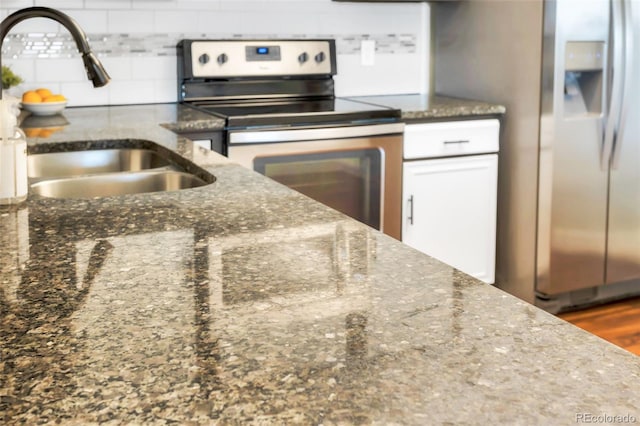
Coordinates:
<point>135,39</point>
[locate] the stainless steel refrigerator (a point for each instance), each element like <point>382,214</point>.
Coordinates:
<point>568,72</point>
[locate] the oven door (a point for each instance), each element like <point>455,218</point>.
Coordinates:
<point>356,170</point>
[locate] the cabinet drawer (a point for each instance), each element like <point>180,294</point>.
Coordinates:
<point>452,138</point>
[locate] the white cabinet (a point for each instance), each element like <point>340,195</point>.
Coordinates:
<point>450,177</point>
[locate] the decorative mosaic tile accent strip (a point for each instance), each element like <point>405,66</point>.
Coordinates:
<point>61,45</point>
<point>385,43</point>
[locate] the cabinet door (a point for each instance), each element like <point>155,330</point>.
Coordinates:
<point>450,211</point>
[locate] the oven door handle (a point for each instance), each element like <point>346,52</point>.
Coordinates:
<point>323,133</point>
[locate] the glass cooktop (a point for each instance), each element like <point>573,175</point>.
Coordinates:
<point>297,112</point>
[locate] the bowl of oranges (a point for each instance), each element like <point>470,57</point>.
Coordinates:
<point>43,102</point>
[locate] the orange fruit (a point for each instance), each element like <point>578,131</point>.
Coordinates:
<point>31,96</point>
<point>33,132</point>
<point>44,93</point>
<point>54,98</point>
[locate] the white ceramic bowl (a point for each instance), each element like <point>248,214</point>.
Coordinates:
<point>44,108</point>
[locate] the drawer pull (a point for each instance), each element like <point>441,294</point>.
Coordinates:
<point>460,141</point>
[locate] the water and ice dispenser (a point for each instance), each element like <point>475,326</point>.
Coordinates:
<point>584,78</point>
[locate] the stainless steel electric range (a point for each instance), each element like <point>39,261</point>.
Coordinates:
<point>283,120</point>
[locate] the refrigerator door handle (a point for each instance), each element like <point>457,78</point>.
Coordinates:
<point>629,36</point>
<point>617,69</point>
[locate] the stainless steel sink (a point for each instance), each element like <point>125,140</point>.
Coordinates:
<point>133,167</point>
<point>109,184</point>
<point>76,163</point>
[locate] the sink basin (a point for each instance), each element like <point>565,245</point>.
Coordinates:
<point>109,184</point>
<point>76,163</point>
<point>113,167</point>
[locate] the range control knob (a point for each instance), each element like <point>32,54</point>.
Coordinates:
<point>203,59</point>
<point>303,57</point>
<point>320,57</point>
<point>222,58</point>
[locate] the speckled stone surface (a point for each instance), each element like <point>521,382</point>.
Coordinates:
<point>420,108</point>
<point>243,302</point>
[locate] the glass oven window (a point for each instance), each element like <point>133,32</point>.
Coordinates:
<point>348,181</point>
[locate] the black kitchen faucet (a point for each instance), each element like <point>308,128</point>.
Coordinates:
<point>95,71</point>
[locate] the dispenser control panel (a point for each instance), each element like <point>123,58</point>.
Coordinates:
<point>584,56</point>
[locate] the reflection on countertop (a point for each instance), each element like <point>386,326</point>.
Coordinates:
<point>245,302</point>
<point>421,107</point>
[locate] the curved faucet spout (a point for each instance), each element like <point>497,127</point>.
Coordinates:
<point>95,71</point>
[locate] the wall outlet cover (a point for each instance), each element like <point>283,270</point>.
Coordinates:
<point>368,53</point>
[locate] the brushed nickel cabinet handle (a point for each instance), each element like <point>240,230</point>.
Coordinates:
<point>410,217</point>
<point>455,142</point>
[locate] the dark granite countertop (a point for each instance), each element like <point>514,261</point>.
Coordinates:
<point>245,302</point>
<point>422,108</point>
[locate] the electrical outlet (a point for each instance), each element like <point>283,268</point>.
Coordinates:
<point>367,52</point>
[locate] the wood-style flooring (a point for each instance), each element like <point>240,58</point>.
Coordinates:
<point>617,322</point>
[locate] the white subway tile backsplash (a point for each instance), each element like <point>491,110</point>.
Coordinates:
<point>120,21</point>
<point>157,68</point>
<point>392,74</point>
<point>94,21</point>
<point>275,5</point>
<point>273,22</point>
<point>175,22</point>
<point>59,70</point>
<point>118,68</point>
<point>166,91</point>
<point>384,20</point>
<point>25,68</point>
<point>218,22</point>
<point>254,6</point>
<point>136,41</point>
<point>36,25</point>
<point>60,4</point>
<point>131,92</point>
<point>107,4</point>
<point>198,4</point>
<point>155,5</point>
<point>82,93</point>
<point>16,4</point>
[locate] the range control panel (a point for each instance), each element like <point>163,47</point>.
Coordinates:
<point>255,58</point>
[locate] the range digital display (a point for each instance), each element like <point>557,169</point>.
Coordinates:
<point>262,53</point>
